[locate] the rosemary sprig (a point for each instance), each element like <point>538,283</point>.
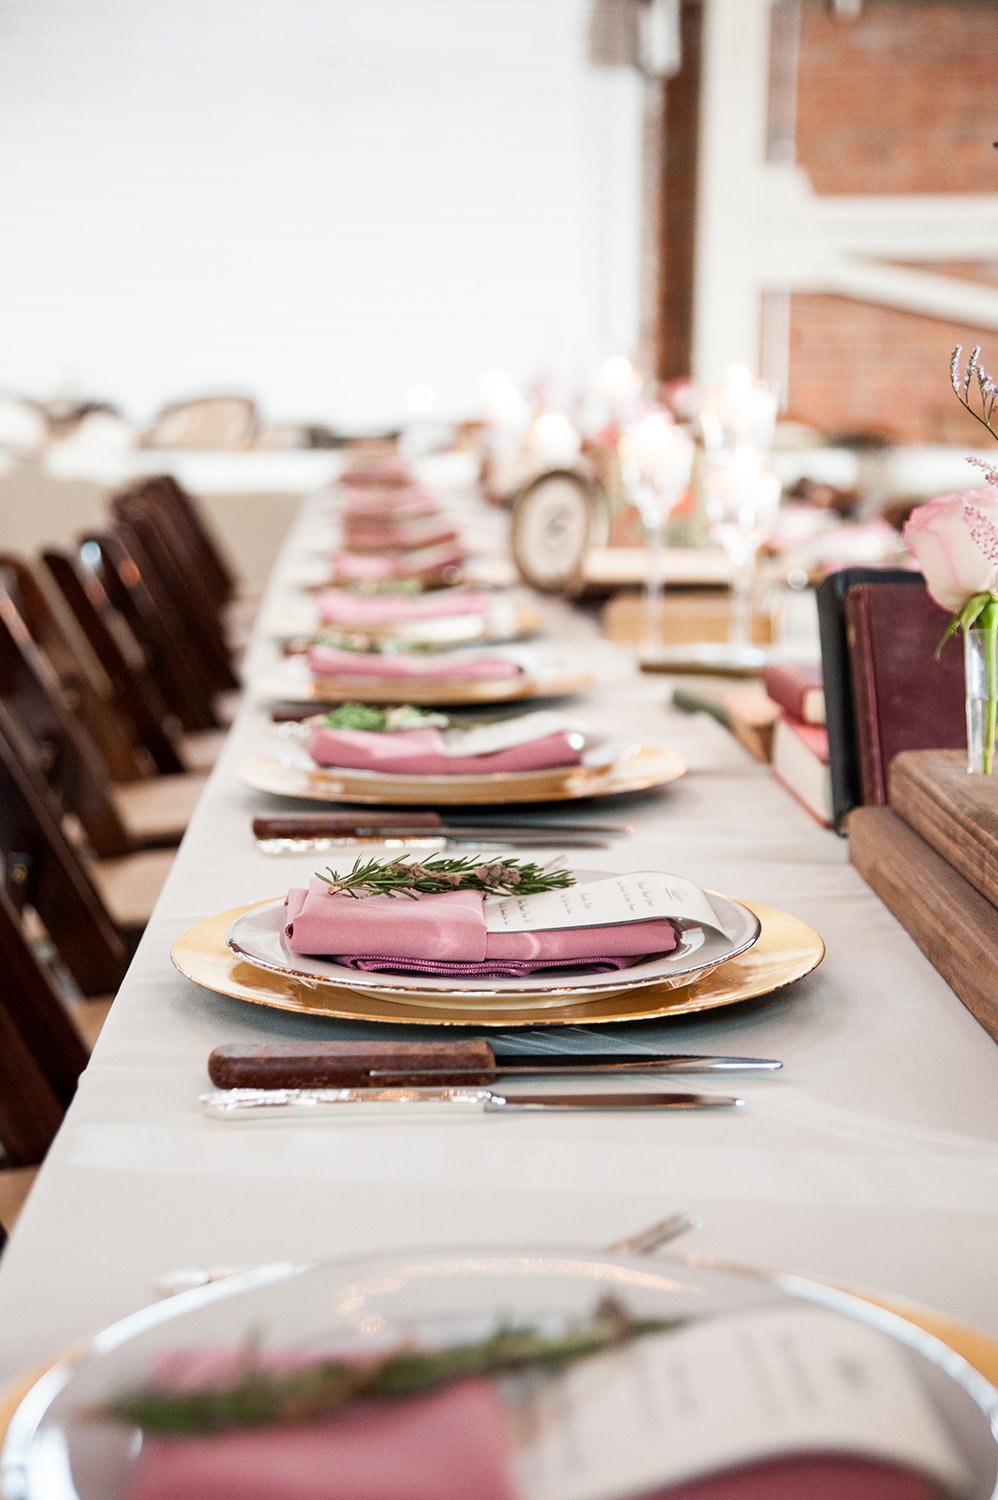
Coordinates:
<point>260,1397</point>
<point>364,716</point>
<point>401,877</point>
<point>373,645</point>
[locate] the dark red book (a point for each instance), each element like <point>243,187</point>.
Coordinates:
<point>905,698</point>
<point>800,762</point>
<point>798,690</point>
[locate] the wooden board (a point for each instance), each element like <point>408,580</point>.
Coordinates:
<point>686,618</point>
<point>954,812</point>
<point>952,923</point>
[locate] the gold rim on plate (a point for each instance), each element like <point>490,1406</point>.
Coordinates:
<point>650,766</point>
<point>441,693</point>
<point>787,949</point>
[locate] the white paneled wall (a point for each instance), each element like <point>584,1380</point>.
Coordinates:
<point>315,201</point>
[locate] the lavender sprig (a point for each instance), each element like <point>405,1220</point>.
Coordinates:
<point>986,390</point>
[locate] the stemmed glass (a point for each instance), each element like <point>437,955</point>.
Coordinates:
<point>742,497</point>
<point>656,457</point>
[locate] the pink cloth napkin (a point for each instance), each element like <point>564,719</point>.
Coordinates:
<point>330,661</point>
<point>446,1446</point>
<point>808,1477</point>
<point>446,934</point>
<point>401,501</point>
<point>426,562</point>
<point>368,535</point>
<point>420,752</point>
<point>377,469</point>
<point>338,607</point>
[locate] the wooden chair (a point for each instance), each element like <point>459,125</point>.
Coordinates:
<point>146,814</point>
<point>43,872</point>
<point>122,569</point>
<point>201,547</point>
<point>149,532</point>
<point>135,691</point>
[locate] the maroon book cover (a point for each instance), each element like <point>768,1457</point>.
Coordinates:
<point>905,698</point>
<point>797,688</point>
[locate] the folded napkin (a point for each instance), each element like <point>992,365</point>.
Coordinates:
<point>355,611</point>
<point>401,501</point>
<point>447,1446</point>
<point>365,534</point>
<point>446,934</point>
<point>426,562</point>
<point>377,469</point>
<point>330,661</point>
<point>420,752</point>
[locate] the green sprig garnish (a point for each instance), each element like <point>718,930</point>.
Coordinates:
<point>431,877</point>
<point>373,645</point>
<point>262,1397</point>
<point>364,716</point>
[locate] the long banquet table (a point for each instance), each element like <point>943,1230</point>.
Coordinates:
<point>871,1160</point>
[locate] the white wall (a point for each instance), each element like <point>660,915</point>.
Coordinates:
<point>315,201</point>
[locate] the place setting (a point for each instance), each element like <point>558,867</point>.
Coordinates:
<point>403,754</point>
<point>494,940</point>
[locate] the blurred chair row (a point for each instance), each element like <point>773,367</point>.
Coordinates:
<point>116,656</point>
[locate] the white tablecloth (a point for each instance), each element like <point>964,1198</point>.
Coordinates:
<point>871,1159</point>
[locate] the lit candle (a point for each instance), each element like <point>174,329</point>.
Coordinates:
<point>504,403</point>
<point>742,410</point>
<point>554,439</point>
<point>618,381</point>
<point>658,450</point>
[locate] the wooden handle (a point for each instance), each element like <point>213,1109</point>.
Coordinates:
<point>299,1065</point>
<point>319,825</point>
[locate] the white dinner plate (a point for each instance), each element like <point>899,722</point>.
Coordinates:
<point>504,620</point>
<point>55,1449</point>
<point>258,938</point>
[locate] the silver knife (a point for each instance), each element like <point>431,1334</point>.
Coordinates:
<point>425,838</point>
<point>358,1104</point>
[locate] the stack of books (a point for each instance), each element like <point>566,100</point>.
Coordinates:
<point>931,855</point>
<point>800,736</point>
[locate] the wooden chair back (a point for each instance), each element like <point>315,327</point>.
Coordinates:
<point>41,1052</point>
<point>136,696</point>
<point>196,538</point>
<point>178,584</point>
<point>123,569</point>
<point>62,748</point>
<point>86,688</point>
<point>43,871</point>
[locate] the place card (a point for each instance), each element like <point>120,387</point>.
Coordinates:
<point>488,739</point>
<point>724,1393</point>
<point>644,896</point>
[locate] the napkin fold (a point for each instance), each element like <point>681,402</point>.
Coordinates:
<point>420,752</point>
<point>367,534</point>
<point>330,661</point>
<point>446,934</point>
<point>407,501</point>
<point>425,562</point>
<point>356,611</point>
<point>446,1446</point>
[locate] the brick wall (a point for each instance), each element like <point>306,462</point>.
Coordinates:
<point>902,101</point>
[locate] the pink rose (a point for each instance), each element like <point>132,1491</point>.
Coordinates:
<point>939,534</point>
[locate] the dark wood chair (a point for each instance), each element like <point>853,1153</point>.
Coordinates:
<point>137,696</point>
<point>118,562</point>
<point>44,874</point>
<point>85,685</point>
<point>178,585</point>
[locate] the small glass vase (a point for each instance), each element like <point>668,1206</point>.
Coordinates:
<point>980,659</point>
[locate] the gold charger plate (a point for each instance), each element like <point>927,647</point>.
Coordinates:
<point>786,950</point>
<point>436,694</point>
<point>650,766</point>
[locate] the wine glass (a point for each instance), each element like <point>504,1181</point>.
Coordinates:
<point>742,497</point>
<point>656,457</point>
